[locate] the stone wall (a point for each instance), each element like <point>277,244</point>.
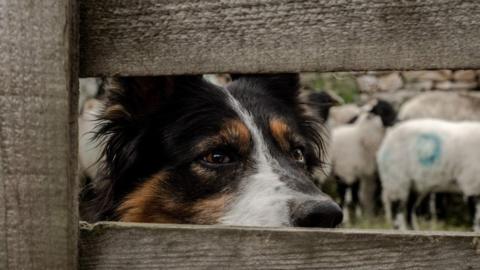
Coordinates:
<point>400,86</point>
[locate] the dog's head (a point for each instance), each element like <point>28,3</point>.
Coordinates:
<point>182,150</point>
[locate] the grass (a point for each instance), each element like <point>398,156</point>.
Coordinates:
<point>425,225</point>
<point>342,83</point>
<point>457,214</point>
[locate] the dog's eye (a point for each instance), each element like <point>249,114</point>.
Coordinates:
<point>217,157</point>
<point>298,155</point>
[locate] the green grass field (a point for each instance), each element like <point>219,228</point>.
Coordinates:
<point>425,225</point>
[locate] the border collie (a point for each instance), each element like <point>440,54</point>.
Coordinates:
<point>178,149</point>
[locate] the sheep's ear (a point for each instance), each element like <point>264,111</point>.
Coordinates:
<point>131,97</point>
<point>285,86</point>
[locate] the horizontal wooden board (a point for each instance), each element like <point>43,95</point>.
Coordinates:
<point>152,37</point>
<point>144,246</point>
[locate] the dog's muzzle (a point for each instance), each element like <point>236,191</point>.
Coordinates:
<point>313,213</point>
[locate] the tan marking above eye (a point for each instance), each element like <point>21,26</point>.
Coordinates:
<point>280,132</point>
<point>210,210</point>
<point>235,130</point>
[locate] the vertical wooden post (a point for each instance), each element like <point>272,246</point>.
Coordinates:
<point>38,93</point>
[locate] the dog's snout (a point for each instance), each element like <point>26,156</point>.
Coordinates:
<point>323,214</point>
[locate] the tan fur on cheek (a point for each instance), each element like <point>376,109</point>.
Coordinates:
<point>209,211</point>
<point>202,173</point>
<point>141,205</point>
<point>152,203</point>
<point>280,132</point>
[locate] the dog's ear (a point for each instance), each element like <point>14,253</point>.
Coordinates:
<point>129,104</point>
<point>321,102</point>
<point>285,86</point>
<point>130,98</point>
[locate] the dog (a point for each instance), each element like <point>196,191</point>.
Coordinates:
<point>178,149</point>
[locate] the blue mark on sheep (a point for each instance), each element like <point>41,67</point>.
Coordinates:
<point>384,155</point>
<point>429,148</point>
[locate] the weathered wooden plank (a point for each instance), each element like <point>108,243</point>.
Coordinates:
<point>38,97</point>
<point>143,246</point>
<point>206,36</point>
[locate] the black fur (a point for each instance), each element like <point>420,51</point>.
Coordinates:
<point>386,112</point>
<point>153,124</point>
<point>322,101</point>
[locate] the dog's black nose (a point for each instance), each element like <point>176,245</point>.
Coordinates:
<point>323,214</point>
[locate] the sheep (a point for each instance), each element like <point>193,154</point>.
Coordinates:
<point>89,88</point>
<point>343,114</point>
<point>353,149</point>
<point>89,107</point>
<point>421,156</point>
<point>452,106</point>
<point>321,102</point>
<point>336,116</point>
<point>88,150</point>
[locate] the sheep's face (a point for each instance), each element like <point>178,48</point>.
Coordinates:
<point>369,121</point>
<point>383,109</point>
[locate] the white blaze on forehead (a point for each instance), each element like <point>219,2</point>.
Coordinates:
<point>263,199</point>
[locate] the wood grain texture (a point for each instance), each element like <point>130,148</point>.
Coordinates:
<point>152,37</point>
<point>38,81</point>
<point>143,246</point>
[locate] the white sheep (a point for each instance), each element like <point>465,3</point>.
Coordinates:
<point>342,114</point>
<point>88,88</point>
<point>424,156</point>
<point>337,115</point>
<point>452,106</point>
<point>352,156</point>
<point>88,150</point>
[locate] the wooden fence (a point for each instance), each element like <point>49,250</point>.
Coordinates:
<point>40,42</point>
